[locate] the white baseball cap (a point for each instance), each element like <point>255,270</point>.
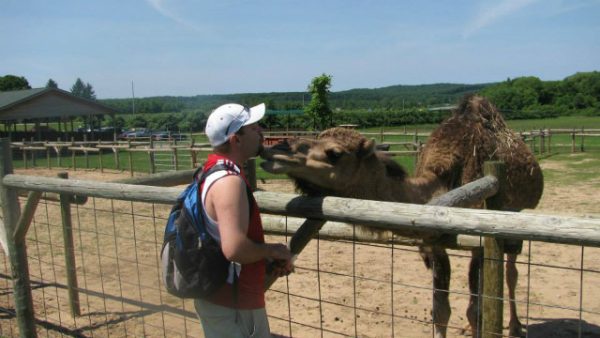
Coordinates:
<point>227,119</point>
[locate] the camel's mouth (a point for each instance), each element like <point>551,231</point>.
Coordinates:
<point>279,159</point>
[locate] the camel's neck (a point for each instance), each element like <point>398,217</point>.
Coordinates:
<point>417,190</point>
<point>422,188</point>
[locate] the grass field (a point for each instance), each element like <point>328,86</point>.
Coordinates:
<point>560,148</point>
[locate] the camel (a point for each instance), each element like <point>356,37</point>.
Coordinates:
<point>341,162</point>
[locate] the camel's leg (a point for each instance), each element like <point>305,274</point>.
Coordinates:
<point>475,285</point>
<point>515,326</point>
<point>437,259</point>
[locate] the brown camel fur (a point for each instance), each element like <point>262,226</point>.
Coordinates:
<point>341,162</point>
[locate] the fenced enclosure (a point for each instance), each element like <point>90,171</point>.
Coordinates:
<point>148,156</point>
<point>354,281</point>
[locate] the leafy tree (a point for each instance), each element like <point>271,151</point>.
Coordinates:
<point>318,109</point>
<point>51,84</point>
<point>138,122</point>
<point>116,121</point>
<point>12,82</point>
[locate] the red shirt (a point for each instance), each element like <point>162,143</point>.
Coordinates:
<point>252,277</point>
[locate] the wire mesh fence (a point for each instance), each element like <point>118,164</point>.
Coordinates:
<point>340,288</point>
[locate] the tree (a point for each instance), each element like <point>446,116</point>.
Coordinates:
<point>318,109</point>
<point>83,90</point>
<point>78,88</point>
<point>12,82</point>
<point>51,84</point>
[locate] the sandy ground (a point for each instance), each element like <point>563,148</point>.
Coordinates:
<point>342,288</point>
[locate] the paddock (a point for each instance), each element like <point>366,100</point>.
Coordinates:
<point>365,284</point>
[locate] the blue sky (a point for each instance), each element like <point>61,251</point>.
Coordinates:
<point>185,47</point>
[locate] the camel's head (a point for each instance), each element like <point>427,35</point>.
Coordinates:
<point>339,162</point>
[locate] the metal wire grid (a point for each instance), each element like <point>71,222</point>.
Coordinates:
<point>117,247</point>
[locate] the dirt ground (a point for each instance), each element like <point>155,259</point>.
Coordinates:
<point>342,288</point>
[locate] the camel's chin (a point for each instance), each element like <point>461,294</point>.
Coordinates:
<point>274,167</point>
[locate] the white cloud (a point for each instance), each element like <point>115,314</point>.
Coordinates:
<point>161,7</point>
<point>489,15</point>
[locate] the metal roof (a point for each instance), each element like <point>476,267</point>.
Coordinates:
<point>41,103</point>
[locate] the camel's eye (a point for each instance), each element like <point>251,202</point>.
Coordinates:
<point>333,155</point>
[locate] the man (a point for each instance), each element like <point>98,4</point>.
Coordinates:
<point>238,308</point>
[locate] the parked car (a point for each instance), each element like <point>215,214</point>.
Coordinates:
<point>133,134</point>
<point>167,136</point>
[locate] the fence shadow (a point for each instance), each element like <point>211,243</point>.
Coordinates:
<point>563,328</point>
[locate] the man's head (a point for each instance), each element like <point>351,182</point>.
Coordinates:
<point>231,121</point>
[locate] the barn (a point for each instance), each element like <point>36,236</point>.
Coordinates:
<point>35,108</point>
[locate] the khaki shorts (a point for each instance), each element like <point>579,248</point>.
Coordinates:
<point>219,321</point>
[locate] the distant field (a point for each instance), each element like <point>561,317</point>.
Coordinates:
<point>589,122</point>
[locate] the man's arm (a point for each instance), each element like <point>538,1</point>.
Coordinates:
<point>227,204</point>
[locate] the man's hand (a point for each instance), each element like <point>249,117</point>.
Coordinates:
<point>280,259</point>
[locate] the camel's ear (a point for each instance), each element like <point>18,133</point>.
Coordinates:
<point>366,148</point>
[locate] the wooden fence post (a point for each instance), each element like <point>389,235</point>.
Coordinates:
<point>549,131</point>
<point>48,156</point>
<point>33,159</point>
<point>542,141</point>
<point>175,159</point>
<point>130,158</point>
<point>493,259</point>
<point>573,141</point>
<point>17,251</point>
<point>24,154</point>
<point>100,160</point>
<point>151,157</point>
<point>117,162</point>
<point>71,267</point>
<point>582,138</point>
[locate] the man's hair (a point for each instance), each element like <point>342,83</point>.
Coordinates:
<point>225,147</point>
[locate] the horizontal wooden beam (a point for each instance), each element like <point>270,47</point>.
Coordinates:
<point>397,217</point>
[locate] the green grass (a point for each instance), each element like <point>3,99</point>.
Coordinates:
<point>574,168</point>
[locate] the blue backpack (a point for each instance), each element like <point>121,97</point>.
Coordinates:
<point>193,264</point>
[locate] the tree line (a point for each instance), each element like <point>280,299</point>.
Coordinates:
<point>318,108</point>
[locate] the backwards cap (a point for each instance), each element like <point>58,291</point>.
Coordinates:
<point>227,119</point>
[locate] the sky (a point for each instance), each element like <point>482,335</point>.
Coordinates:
<point>187,47</point>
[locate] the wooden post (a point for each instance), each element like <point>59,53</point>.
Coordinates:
<point>381,135</point>
<point>549,142</point>
<point>48,156</point>
<point>33,162</point>
<point>573,141</point>
<point>73,154</point>
<point>87,159</point>
<point>130,163</point>
<point>582,138</point>
<point>532,141</point>
<point>70,264</point>
<point>100,160</point>
<point>16,251</point>
<point>175,159</point>
<point>24,154</point>
<point>117,162</point>
<point>151,157</point>
<point>493,267</point>
<point>418,152</point>
<point>541,141</point>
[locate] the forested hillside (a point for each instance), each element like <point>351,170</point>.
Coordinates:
<point>518,98</point>
<point>394,97</point>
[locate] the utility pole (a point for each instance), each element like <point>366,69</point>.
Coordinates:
<point>132,99</point>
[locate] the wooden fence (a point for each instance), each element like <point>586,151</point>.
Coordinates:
<point>377,219</point>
